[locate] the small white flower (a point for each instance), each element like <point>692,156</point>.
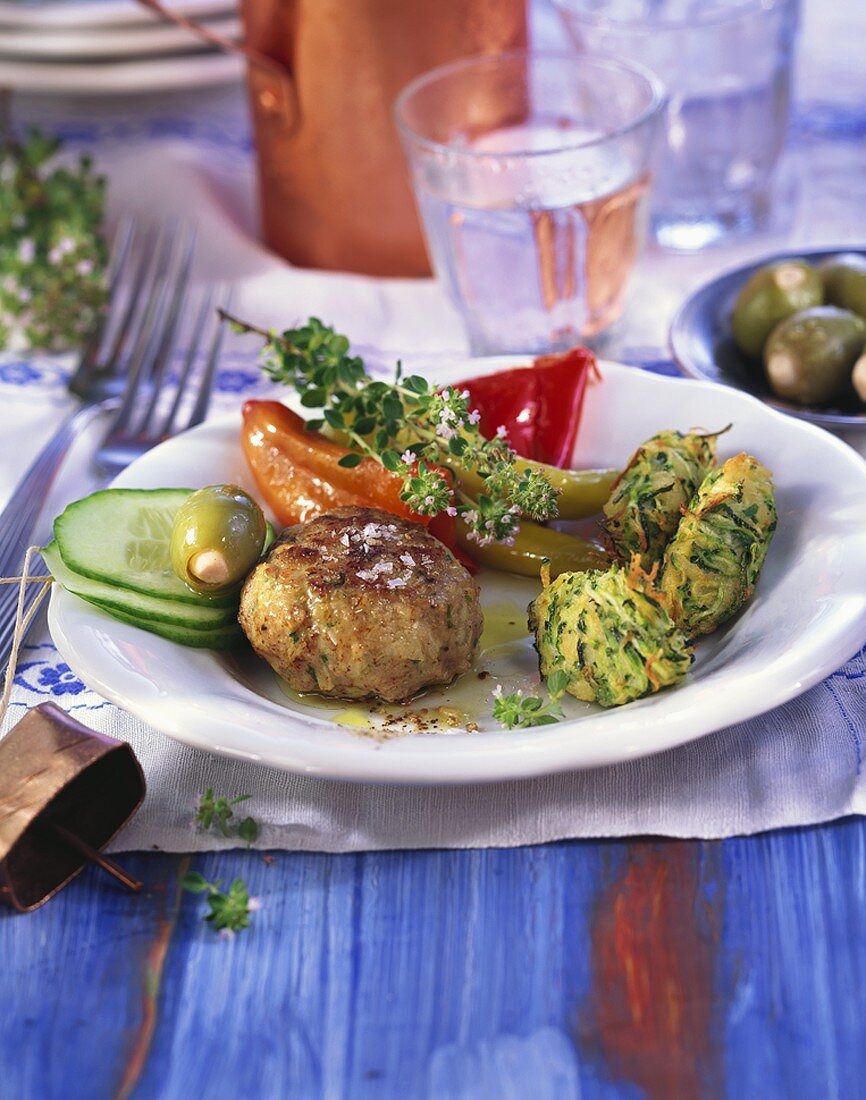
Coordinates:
<point>497,691</point>
<point>474,416</point>
<point>451,510</point>
<point>226,934</point>
<point>501,432</point>
<point>26,251</point>
<point>55,256</point>
<point>84,267</point>
<point>429,501</point>
<point>67,244</point>
<point>407,458</point>
<point>253,905</point>
<point>445,432</point>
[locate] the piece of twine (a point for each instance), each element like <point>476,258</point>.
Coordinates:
<point>22,619</point>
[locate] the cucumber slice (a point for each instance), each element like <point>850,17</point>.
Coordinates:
<point>122,536</point>
<point>153,608</point>
<point>224,637</point>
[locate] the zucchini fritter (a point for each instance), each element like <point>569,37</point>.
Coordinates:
<point>651,493</point>
<point>610,633</point>
<point>711,565</point>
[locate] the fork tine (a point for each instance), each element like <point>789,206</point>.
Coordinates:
<point>168,341</point>
<point>149,330</point>
<point>92,359</point>
<point>195,340</point>
<point>199,411</point>
<point>140,289</point>
<point>120,251</point>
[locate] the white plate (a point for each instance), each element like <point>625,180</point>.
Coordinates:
<point>806,618</point>
<point>122,77</point>
<point>95,13</point>
<point>109,42</point>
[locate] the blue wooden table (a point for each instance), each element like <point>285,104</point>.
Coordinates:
<point>585,969</point>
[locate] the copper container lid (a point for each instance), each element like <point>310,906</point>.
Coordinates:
<point>59,779</point>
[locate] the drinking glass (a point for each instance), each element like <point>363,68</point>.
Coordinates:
<point>726,65</point>
<point>531,171</point>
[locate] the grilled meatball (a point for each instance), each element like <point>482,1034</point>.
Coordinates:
<point>359,604</point>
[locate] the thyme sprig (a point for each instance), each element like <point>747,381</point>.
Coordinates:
<point>53,281</point>
<point>518,711</point>
<point>217,810</point>
<point>230,909</point>
<point>411,428</point>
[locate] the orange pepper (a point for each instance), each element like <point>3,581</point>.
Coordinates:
<point>298,472</point>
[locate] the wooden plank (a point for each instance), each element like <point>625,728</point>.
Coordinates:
<point>591,970</point>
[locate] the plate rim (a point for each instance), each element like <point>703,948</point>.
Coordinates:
<point>495,755</point>
<point>86,14</point>
<point>678,329</point>
<point>168,72</point>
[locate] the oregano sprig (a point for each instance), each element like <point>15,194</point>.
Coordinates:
<point>411,428</point>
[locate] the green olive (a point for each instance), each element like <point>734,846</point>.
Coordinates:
<point>844,279</point>
<point>768,297</point>
<point>217,538</point>
<point>809,357</point>
<point>858,378</point>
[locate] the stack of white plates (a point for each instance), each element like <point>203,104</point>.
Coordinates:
<point>112,46</point>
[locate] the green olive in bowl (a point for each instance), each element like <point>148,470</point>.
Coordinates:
<point>808,358</point>
<point>218,536</point>
<point>844,281</point>
<point>768,297</point>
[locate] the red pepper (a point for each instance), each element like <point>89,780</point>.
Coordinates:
<point>539,406</point>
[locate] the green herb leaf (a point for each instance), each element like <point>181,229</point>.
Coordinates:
<point>350,460</point>
<point>193,882</point>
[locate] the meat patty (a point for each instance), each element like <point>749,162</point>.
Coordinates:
<point>359,604</point>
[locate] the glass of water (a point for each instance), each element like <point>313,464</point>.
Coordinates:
<point>727,68</point>
<point>531,171</point>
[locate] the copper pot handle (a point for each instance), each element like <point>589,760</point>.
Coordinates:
<point>271,82</point>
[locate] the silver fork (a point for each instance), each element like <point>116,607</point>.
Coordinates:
<point>123,342</point>
<point>150,411</point>
<point>151,406</point>
<point>139,421</point>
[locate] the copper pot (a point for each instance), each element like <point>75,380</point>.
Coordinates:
<point>334,189</point>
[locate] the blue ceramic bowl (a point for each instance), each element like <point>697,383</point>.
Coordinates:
<point>703,347</point>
